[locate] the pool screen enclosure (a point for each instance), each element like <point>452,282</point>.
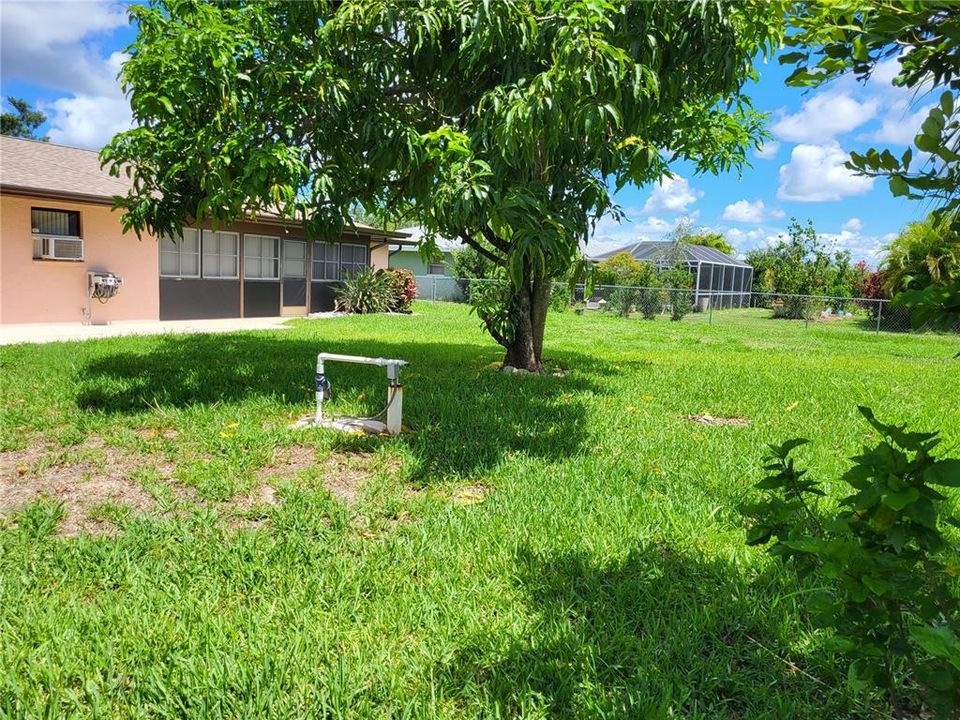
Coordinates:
<point>719,279</point>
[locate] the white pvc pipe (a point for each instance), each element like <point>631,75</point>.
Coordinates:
<point>394,388</point>
<point>359,359</point>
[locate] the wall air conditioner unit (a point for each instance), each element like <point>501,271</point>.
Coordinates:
<point>55,247</point>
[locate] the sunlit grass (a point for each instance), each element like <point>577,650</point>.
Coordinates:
<point>598,569</point>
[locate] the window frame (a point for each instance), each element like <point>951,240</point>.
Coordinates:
<point>219,255</point>
<point>432,271</point>
<point>75,213</point>
<point>366,256</point>
<point>324,262</point>
<point>288,242</point>
<point>260,257</point>
<point>180,254</point>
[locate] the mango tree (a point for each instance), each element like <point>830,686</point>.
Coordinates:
<point>505,124</point>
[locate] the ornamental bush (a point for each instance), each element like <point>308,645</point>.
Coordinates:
<point>404,287</point>
<point>885,564</point>
<point>366,291</point>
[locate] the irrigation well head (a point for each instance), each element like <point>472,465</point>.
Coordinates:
<point>389,420</point>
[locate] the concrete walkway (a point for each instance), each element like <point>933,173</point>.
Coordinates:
<point>55,332</point>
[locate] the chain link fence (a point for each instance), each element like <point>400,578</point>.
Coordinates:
<point>688,305</point>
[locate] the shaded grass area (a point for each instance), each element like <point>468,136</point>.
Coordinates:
<point>602,575</point>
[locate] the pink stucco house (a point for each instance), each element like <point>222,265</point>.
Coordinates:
<point>58,234</point>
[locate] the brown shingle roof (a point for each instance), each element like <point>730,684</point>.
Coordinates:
<point>39,167</point>
<point>43,169</point>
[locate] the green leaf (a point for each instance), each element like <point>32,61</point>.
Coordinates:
<point>899,500</point>
<point>939,642</point>
<point>876,585</point>
<point>946,102</point>
<point>792,58</point>
<point>758,535</point>
<point>782,451</point>
<point>899,186</point>
<point>943,472</point>
<point>923,512</point>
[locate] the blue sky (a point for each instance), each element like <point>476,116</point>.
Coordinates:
<point>64,57</point>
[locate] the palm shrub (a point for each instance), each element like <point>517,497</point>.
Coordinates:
<point>925,253</point>
<point>365,291</point>
<point>885,564</point>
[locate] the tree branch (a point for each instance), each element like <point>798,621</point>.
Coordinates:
<point>481,249</point>
<point>491,237</point>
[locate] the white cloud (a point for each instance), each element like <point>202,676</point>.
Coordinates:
<point>854,224</point>
<point>88,120</point>
<point>861,247</point>
<point>51,44</point>
<point>673,194</point>
<point>54,45</point>
<point>823,117</point>
<point>744,240</point>
<point>768,151</point>
<point>816,173</point>
<point>610,234</point>
<point>749,212</point>
<point>899,126</point>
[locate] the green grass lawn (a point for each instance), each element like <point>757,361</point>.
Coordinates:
<point>534,546</point>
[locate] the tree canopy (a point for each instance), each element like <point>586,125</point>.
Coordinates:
<point>686,232</point>
<point>23,121</point>
<point>801,264</point>
<point>505,124</point>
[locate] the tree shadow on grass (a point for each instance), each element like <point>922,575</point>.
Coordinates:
<point>464,416</point>
<point>655,635</point>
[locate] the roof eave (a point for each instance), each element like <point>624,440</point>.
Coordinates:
<point>7,189</point>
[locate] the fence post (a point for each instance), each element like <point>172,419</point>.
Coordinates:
<point>806,314</point>
<point>879,313</point>
<point>710,300</point>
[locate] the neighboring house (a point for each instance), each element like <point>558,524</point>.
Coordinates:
<point>407,256</point>
<point>57,226</point>
<point>434,277</point>
<point>719,276</point>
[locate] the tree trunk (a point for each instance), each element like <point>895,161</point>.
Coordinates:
<point>531,302</point>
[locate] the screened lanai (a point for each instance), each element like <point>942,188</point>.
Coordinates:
<point>719,279</point>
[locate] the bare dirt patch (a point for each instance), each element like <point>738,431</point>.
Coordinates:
<point>288,460</point>
<point>152,433</point>
<point>83,477</point>
<point>342,474</point>
<point>345,474</point>
<point>712,420</point>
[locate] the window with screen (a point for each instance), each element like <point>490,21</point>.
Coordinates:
<point>326,261</point>
<point>261,257</point>
<point>180,257</point>
<point>438,269</point>
<point>58,223</point>
<point>220,254</point>
<point>294,259</point>
<point>353,258</point>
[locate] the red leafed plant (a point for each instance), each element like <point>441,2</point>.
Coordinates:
<point>404,289</point>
